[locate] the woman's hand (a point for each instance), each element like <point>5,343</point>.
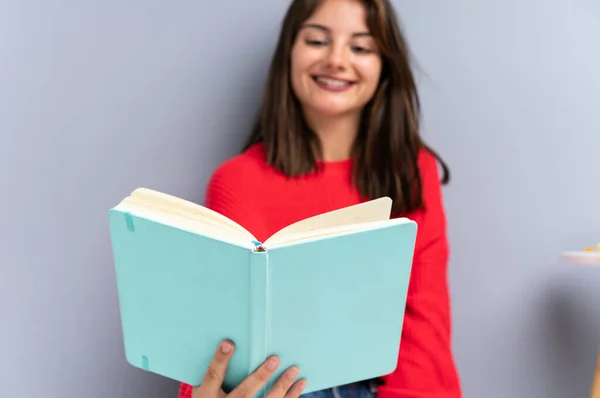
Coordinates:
<point>211,386</point>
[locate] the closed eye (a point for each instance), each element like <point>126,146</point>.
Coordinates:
<point>361,50</point>
<point>316,43</point>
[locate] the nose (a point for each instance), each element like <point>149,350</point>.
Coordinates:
<point>337,57</point>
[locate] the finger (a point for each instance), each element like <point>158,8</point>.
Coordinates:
<point>296,389</point>
<point>215,373</point>
<point>253,383</point>
<point>284,383</point>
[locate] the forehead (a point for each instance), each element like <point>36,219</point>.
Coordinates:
<point>340,16</point>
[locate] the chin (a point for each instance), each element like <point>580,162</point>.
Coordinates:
<point>329,109</point>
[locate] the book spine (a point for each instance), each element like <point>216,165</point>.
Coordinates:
<point>260,308</point>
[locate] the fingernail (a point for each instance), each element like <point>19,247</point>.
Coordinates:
<point>303,384</point>
<point>293,373</point>
<point>272,363</point>
<point>226,347</point>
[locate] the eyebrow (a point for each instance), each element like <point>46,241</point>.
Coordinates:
<point>327,30</point>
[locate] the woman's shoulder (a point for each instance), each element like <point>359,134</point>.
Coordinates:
<point>431,184</point>
<point>241,174</point>
<point>248,164</point>
<point>427,162</point>
<point>231,188</point>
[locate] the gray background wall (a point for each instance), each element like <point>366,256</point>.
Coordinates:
<point>97,98</point>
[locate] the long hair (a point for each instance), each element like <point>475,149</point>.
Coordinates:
<point>388,143</point>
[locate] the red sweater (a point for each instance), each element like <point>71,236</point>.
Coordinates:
<point>262,200</point>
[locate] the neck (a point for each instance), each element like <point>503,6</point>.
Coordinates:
<point>336,134</point>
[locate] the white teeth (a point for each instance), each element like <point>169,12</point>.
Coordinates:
<point>332,82</point>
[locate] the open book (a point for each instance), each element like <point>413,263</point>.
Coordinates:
<point>326,294</point>
<point>198,219</point>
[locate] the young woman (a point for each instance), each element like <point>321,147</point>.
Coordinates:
<point>339,124</point>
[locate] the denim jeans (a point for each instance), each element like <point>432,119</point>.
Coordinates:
<point>353,390</point>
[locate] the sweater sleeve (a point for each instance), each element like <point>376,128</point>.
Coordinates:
<point>185,391</point>
<point>426,367</point>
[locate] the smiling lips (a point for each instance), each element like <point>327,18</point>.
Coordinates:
<point>332,84</point>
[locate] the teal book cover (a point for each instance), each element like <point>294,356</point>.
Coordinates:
<point>327,294</point>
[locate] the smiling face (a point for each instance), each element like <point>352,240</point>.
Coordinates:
<point>335,64</point>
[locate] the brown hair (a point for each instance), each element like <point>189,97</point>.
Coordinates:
<point>388,143</point>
